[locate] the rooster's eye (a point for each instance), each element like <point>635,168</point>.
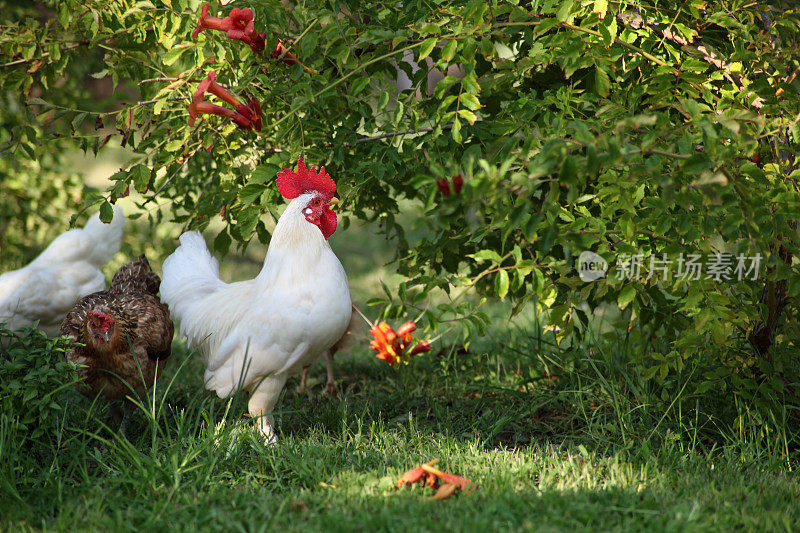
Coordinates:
<point>316,201</point>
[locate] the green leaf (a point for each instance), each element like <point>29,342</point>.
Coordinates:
<point>38,101</point>
<point>173,145</point>
<point>626,296</point>
<point>222,242</point>
<point>250,193</point>
<point>383,100</point>
<point>696,164</point>
<point>467,115</point>
<point>263,172</point>
<point>106,212</point>
<point>602,83</point>
<point>398,113</point>
<point>443,85</point>
<point>359,84</point>
<point>486,255</point>
<point>609,31</point>
<point>470,83</point>
<point>564,10</point>
<point>651,372</point>
<point>456,131</point>
<point>77,121</point>
<point>140,175</point>
<point>159,106</point>
<point>470,101</point>
<point>449,50</point>
<point>600,6</point>
<point>174,53</point>
<point>426,48</point>
<point>501,284</point>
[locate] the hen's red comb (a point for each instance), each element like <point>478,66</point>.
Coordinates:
<point>292,184</point>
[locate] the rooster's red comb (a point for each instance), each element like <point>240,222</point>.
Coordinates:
<point>292,184</point>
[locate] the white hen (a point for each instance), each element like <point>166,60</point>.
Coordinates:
<point>66,271</point>
<point>254,334</point>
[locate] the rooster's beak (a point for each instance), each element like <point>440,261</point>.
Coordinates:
<point>333,203</point>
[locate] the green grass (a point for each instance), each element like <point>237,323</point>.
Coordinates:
<point>542,455</point>
<point>556,438</point>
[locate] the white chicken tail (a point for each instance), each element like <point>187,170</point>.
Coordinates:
<point>188,275</point>
<point>106,238</point>
<point>96,243</point>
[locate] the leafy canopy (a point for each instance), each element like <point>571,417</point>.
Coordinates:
<point>625,130</point>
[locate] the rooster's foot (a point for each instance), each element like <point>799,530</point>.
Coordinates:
<point>264,427</point>
<point>330,388</point>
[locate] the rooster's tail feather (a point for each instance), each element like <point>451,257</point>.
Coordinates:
<point>190,274</point>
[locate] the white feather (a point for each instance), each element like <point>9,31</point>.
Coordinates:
<point>66,271</point>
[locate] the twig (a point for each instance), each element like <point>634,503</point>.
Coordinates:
<point>147,102</point>
<point>158,79</point>
<point>426,129</point>
<point>620,42</point>
<point>635,21</point>
<point>164,185</point>
<point>396,133</point>
<point>43,56</point>
<point>294,109</point>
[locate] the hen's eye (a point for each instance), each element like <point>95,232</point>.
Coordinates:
<point>316,201</point>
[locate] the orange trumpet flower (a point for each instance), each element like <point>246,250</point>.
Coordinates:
<point>396,347</point>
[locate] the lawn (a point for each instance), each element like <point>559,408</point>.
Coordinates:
<point>543,452</point>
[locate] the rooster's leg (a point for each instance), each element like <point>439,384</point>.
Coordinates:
<point>262,401</point>
<point>330,386</point>
<point>302,387</point>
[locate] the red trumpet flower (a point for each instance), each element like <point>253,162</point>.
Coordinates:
<point>280,51</point>
<point>242,28</point>
<point>458,182</point>
<point>444,185</point>
<point>245,116</point>
<point>208,22</point>
<point>237,25</point>
<point>394,347</point>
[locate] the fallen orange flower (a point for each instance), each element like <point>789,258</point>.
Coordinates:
<point>431,477</point>
<point>460,482</point>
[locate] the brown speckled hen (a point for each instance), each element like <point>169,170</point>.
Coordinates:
<point>127,336</point>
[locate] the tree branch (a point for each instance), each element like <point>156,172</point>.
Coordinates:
<point>636,22</point>
<point>43,56</point>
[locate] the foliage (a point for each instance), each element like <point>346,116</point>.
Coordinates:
<point>36,187</point>
<point>35,373</point>
<point>576,126</point>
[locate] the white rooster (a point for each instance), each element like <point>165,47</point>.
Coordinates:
<point>253,334</point>
<point>66,271</point>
